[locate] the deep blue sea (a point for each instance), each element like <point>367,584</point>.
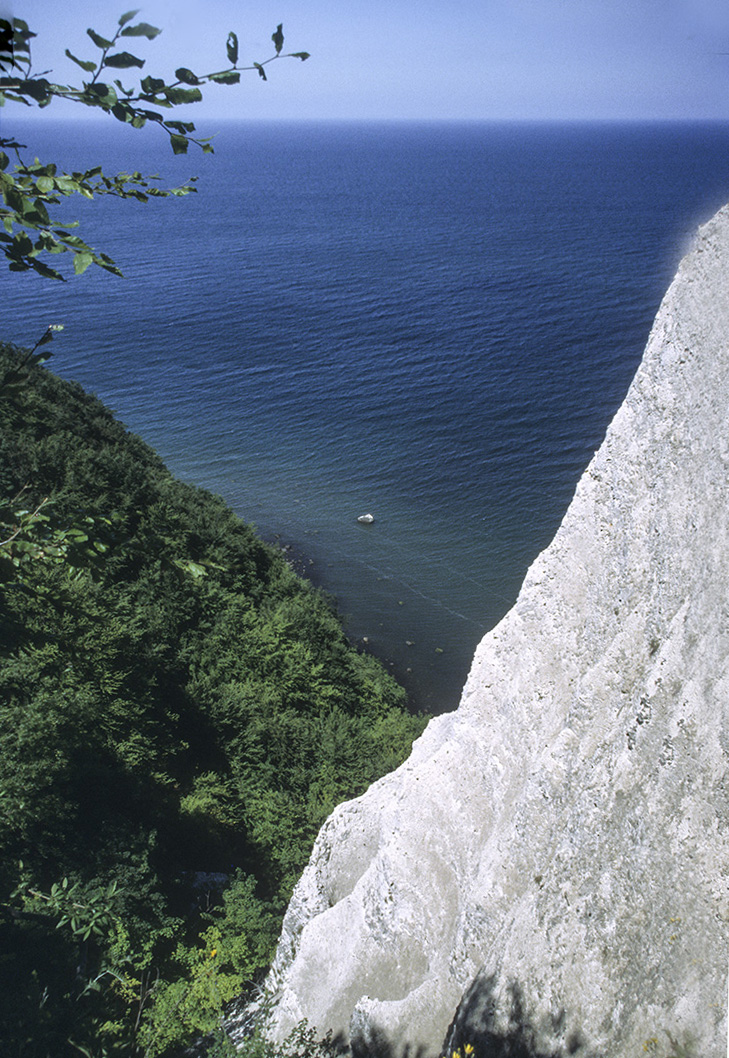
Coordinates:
<point>433,323</point>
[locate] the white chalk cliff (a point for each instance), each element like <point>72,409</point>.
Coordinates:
<point>562,839</point>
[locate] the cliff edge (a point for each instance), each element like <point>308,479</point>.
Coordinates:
<point>553,859</point>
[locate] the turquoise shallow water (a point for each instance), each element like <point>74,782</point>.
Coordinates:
<point>434,323</point>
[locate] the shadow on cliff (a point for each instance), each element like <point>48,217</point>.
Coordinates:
<point>493,1022</point>
<point>489,1023</point>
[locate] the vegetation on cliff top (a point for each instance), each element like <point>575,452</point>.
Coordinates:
<point>180,712</point>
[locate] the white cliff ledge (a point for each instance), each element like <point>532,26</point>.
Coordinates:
<point>563,837</point>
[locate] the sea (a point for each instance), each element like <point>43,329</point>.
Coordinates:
<point>432,323</point>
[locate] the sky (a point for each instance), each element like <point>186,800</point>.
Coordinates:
<point>424,59</point>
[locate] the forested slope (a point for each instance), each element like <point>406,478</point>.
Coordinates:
<point>179,712</point>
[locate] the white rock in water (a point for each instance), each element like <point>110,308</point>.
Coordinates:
<point>563,837</point>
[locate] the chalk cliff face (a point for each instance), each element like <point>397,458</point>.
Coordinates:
<point>553,859</point>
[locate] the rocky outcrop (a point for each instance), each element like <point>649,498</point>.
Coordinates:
<point>553,859</point>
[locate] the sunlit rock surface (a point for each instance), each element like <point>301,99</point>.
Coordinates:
<point>562,839</point>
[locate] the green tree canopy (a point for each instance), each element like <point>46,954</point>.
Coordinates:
<point>179,713</point>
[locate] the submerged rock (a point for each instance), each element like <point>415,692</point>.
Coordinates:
<point>551,864</point>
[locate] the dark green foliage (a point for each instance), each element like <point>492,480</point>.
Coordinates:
<point>179,712</point>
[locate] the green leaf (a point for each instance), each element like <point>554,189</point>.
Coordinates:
<point>99,41</point>
<point>303,55</point>
<point>142,29</point>
<point>188,566</point>
<point>128,17</point>
<point>72,240</point>
<point>228,77</point>
<point>123,112</point>
<point>101,94</point>
<point>47,242</point>
<point>40,214</point>
<point>150,115</point>
<point>66,184</point>
<point>232,47</point>
<point>22,243</point>
<point>179,144</point>
<point>183,95</point>
<point>186,76</point>
<point>37,89</point>
<point>152,85</point>
<point>16,200</point>
<point>157,102</point>
<point>47,273</point>
<point>85,64</point>
<point>122,60</point>
<point>81,262</point>
<point>278,38</point>
<point>261,71</point>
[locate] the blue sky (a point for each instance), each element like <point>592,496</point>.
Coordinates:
<point>444,59</point>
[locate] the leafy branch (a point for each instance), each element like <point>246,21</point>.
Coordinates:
<point>32,537</point>
<point>86,912</point>
<point>16,376</point>
<point>27,190</point>
<point>25,519</point>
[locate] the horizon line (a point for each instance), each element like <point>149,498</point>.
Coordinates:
<point>98,118</point>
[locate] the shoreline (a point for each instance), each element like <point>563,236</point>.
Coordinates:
<point>305,566</point>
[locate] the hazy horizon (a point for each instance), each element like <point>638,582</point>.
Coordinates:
<point>510,60</point>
